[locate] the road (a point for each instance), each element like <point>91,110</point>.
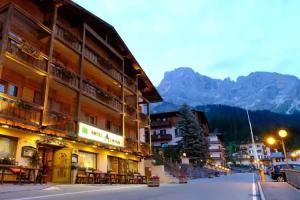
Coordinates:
<point>231,187</point>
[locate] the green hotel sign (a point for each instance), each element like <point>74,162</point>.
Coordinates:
<point>99,135</point>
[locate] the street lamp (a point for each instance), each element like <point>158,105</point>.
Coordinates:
<point>283,134</point>
<point>271,140</point>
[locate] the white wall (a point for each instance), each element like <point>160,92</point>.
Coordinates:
<point>168,131</point>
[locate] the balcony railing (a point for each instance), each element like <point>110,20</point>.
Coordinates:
<point>144,118</point>
<point>103,63</point>
<point>131,144</point>
<point>129,110</point>
<point>23,51</point>
<point>65,74</point>
<point>96,92</point>
<point>59,122</point>
<point>145,149</point>
<point>166,123</point>
<point>20,111</point>
<point>68,38</point>
<point>130,83</point>
<point>159,137</point>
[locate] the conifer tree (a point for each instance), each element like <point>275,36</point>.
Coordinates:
<point>193,141</point>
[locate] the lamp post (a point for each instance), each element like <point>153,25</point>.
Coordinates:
<point>283,134</point>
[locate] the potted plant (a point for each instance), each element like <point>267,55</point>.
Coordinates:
<point>74,170</point>
<point>154,181</point>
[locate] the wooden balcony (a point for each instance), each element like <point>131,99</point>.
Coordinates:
<point>130,83</point>
<point>68,38</point>
<point>158,124</point>
<point>144,118</point>
<point>59,122</point>
<point>22,51</point>
<point>20,111</point>
<point>96,92</point>
<point>159,137</point>
<point>65,75</point>
<point>145,149</point>
<point>130,111</point>
<point>103,64</point>
<point>131,145</point>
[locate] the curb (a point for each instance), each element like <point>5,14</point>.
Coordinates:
<point>261,193</point>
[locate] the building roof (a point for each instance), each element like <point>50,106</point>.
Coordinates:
<point>276,155</point>
<point>79,15</point>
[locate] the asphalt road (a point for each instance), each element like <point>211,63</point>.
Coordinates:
<point>231,187</point>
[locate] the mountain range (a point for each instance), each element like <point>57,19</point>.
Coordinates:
<point>258,91</point>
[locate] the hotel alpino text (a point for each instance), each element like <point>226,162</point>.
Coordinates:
<point>71,92</point>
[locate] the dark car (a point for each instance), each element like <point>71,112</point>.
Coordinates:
<point>278,173</point>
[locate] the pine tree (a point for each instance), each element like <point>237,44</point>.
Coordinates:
<point>193,141</point>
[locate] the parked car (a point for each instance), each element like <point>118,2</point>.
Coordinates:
<point>278,173</point>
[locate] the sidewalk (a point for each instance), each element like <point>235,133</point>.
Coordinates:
<point>25,187</point>
<point>279,191</point>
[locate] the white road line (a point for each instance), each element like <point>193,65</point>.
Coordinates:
<point>254,197</point>
<point>72,193</point>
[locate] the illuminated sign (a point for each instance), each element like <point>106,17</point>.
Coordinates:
<point>99,135</point>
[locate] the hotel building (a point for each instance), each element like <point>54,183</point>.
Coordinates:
<point>70,90</point>
<point>216,150</point>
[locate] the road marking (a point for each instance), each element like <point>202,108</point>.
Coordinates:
<point>72,193</point>
<point>261,192</point>
<point>254,197</point>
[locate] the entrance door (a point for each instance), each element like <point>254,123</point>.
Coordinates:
<point>62,166</point>
<point>46,160</point>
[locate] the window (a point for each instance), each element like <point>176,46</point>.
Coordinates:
<point>91,119</point>
<point>177,133</point>
<point>37,97</point>
<point>154,132</point>
<point>12,90</point>
<point>108,125</point>
<point>258,145</point>
<point>8,146</point>
<point>250,146</point>
<point>162,132</point>
<point>259,151</point>
<point>3,86</point>
<point>132,166</point>
<point>87,160</point>
<point>250,151</point>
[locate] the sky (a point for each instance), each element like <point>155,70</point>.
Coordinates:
<point>217,38</point>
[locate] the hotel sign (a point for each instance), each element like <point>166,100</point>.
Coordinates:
<point>99,135</point>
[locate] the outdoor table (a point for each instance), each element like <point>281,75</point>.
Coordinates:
<point>100,177</point>
<point>19,171</point>
<point>141,179</point>
<point>122,178</point>
<point>112,177</point>
<point>91,176</point>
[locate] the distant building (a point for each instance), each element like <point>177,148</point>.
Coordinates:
<point>278,158</point>
<point>246,155</point>
<point>164,131</point>
<point>216,150</point>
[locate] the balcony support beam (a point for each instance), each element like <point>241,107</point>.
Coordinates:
<point>50,53</point>
<point>5,32</point>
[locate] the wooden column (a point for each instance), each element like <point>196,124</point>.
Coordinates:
<point>123,103</point>
<point>149,126</point>
<point>137,113</point>
<point>50,54</point>
<point>5,32</point>
<point>78,106</point>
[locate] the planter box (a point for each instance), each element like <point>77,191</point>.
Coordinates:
<point>153,182</point>
<point>183,179</point>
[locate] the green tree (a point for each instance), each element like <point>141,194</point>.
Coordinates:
<point>193,141</point>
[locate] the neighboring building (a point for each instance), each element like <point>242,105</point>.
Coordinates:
<point>71,90</point>
<point>216,150</point>
<point>278,158</point>
<point>246,155</point>
<point>164,131</point>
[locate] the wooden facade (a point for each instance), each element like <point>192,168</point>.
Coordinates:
<point>61,65</point>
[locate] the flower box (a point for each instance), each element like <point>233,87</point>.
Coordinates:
<point>183,179</point>
<point>154,181</point>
